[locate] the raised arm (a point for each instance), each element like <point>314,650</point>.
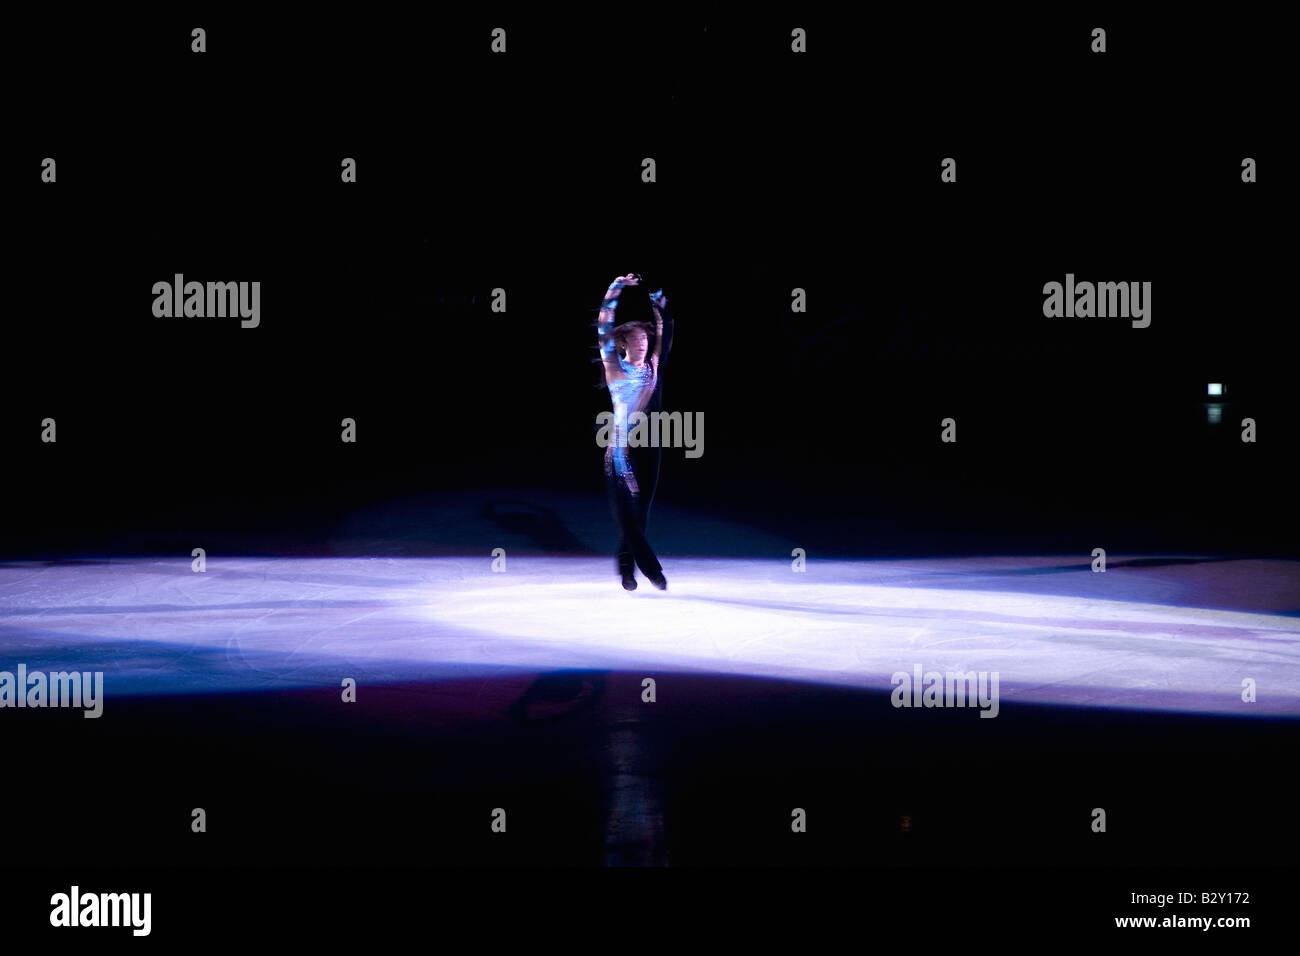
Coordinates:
<point>659,336</point>
<point>664,320</point>
<point>605,326</point>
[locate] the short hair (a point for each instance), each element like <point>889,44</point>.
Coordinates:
<point>622,332</point>
<point>618,335</point>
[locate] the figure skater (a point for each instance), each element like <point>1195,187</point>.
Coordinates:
<point>632,374</point>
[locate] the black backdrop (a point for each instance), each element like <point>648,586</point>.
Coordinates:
<point>523,172</point>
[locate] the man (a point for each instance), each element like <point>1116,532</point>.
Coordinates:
<point>633,375</point>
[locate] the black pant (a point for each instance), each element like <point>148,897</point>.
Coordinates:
<point>631,512</point>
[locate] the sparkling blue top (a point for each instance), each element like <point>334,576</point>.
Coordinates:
<point>626,391</point>
<point>637,391</point>
<point>627,395</point>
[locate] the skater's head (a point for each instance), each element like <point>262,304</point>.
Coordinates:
<point>632,339</point>
<point>634,336</point>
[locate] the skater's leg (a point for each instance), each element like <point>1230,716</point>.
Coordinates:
<point>621,508</point>
<point>646,464</point>
<point>641,550</point>
<point>629,511</point>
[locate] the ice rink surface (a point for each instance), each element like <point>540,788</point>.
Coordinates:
<point>1175,633</point>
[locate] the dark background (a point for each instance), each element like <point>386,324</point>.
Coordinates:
<point>775,171</point>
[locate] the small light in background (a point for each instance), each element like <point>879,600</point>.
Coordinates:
<point>1214,408</point>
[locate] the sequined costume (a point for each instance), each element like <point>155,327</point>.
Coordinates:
<point>628,395</point>
<point>632,473</point>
